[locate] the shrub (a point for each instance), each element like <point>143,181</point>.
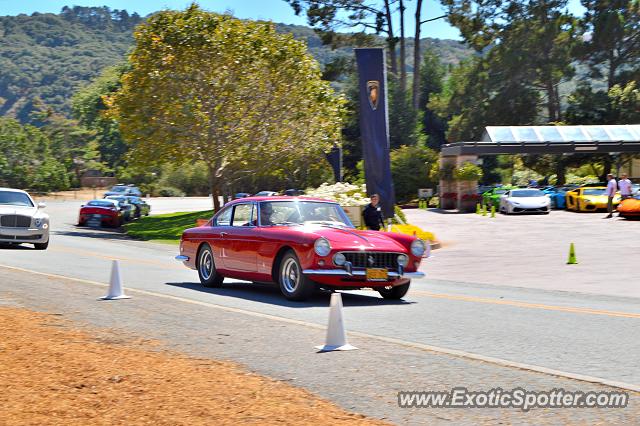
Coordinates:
<point>411,168</point>
<point>467,172</point>
<point>169,191</point>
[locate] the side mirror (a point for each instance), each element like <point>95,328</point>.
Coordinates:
<point>42,205</point>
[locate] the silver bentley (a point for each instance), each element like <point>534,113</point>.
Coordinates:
<point>22,220</point>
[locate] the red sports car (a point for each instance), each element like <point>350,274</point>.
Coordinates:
<point>100,212</point>
<point>301,244</point>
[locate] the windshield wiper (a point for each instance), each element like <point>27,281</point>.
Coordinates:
<point>329,224</point>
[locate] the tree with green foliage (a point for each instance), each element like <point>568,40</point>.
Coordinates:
<point>89,108</point>
<point>432,74</point>
<point>73,145</point>
<point>611,39</point>
<point>411,169</point>
<point>26,161</point>
<point>529,43</point>
<point>233,94</point>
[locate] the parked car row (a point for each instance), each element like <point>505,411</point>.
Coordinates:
<point>119,205</point>
<point>586,198</point>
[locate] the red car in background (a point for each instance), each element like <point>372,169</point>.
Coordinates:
<point>101,212</point>
<point>301,244</point>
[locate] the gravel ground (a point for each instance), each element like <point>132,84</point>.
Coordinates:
<point>52,373</point>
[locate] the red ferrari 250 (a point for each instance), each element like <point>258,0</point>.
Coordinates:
<point>301,244</point>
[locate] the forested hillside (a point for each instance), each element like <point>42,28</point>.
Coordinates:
<point>45,58</point>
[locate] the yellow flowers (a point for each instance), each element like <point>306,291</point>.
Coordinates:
<point>413,230</point>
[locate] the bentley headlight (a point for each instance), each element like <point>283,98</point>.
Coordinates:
<point>403,260</point>
<point>339,259</point>
<point>322,247</point>
<point>418,248</point>
<point>38,222</point>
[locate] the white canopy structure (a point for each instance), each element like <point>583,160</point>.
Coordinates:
<point>551,140</point>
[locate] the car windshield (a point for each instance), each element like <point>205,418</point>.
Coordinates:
<point>119,189</point>
<point>120,199</point>
<point>15,199</point>
<point>101,203</point>
<point>529,193</point>
<point>302,212</point>
<point>593,191</point>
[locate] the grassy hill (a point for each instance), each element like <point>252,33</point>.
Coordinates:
<point>45,58</point>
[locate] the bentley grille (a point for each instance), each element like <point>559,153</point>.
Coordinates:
<point>372,259</point>
<point>15,221</point>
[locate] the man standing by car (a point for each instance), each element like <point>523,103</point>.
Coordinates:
<point>373,214</point>
<point>625,187</point>
<point>612,187</point>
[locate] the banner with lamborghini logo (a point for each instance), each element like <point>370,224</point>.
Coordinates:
<point>374,126</point>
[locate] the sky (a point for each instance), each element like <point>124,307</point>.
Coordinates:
<point>273,10</point>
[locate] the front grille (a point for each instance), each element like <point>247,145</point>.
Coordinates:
<point>372,259</point>
<point>533,210</point>
<point>15,221</point>
<point>20,237</point>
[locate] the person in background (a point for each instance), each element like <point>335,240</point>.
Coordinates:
<point>624,184</point>
<point>612,188</point>
<point>372,214</point>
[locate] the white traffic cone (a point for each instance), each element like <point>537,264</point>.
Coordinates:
<point>115,284</point>
<point>336,336</point>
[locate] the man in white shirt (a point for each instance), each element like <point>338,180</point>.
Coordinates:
<point>624,184</point>
<point>612,187</point>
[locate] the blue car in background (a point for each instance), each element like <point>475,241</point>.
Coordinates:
<point>558,195</point>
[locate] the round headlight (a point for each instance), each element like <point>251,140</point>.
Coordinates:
<point>38,222</point>
<point>403,260</point>
<point>322,247</point>
<point>339,259</point>
<point>418,248</point>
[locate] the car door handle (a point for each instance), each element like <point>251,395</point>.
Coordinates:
<point>222,234</point>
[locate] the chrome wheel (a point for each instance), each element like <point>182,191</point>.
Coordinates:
<point>290,275</point>
<point>205,265</point>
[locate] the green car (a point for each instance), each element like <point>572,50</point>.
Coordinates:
<point>492,196</point>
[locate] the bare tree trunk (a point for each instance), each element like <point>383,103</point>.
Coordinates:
<point>391,40</point>
<point>557,100</point>
<point>551,102</point>
<point>416,58</point>
<point>214,184</point>
<point>403,53</point>
<point>561,168</point>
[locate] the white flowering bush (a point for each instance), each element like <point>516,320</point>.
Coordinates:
<point>344,193</point>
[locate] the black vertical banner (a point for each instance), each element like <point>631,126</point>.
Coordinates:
<point>374,126</point>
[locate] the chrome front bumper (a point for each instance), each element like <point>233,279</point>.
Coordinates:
<point>342,272</point>
<point>23,235</point>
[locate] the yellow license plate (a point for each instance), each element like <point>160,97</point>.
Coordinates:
<point>377,274</point>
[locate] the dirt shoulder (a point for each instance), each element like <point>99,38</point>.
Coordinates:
<point>54,373</point>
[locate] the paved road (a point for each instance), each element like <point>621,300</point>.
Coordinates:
<point>531,250</point>
<point>589,334</point>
